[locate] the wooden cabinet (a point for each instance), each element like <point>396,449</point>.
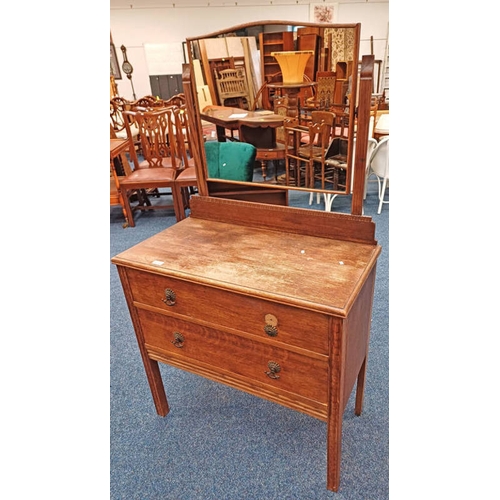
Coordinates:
<point>271,300</point>
<point>273,42</point>
<point>309,39</point>
<point>165,86</point>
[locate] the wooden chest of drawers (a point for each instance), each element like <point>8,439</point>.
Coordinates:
<point>261,298</point>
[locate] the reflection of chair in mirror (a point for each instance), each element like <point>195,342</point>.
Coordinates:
<point>378,165</point>
<point>310,146</point>
<point>269,92</point>
<point>280,107</point>
<point>324,96</point>
<point>265,96</point>
<point>160,165</point>
<point>233,161</point>
<point>231,84</point>
<point>311,143</point>
<point>334,172</point>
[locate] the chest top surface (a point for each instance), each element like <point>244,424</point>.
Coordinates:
<point>305,271</point>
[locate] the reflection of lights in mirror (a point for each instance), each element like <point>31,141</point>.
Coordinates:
<point>237,69</point>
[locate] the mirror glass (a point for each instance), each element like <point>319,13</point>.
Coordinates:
<point>288,89</point>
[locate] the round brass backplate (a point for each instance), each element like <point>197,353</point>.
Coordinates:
<point>271,319</point>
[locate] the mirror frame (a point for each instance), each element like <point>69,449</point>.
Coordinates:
<point>360,117</point>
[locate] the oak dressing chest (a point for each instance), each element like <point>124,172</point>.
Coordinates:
<point>271,300</point>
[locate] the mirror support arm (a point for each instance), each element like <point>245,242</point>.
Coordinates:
<point>198,149</point>
<point>363,121</point>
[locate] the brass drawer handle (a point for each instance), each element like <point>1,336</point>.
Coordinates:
<point>169,297</point>
<point>271,330</point>
<point>274,368</point>
<point>178,340</point>
<point>271,327</point>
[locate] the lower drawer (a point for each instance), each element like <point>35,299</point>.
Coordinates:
<point>236,356</point>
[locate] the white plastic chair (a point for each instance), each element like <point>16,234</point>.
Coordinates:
<point>372,144</point>
<point>379,166</point>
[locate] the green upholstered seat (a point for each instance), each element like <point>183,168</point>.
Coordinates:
<point>232,161</point>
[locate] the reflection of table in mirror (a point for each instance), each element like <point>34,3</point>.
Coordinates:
<point>227,118</point>
<point>292,91</point>
<point>254,127</point>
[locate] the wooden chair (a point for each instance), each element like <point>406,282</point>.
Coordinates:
<point>315,150</point>
<point>161,163</point>
<point>231,84</point>
<point>147,101</point>
<point>150,101</point>
<point>324,96</point>
<point>176,100</point>
<point>117,106</point>
<point>186,182</point>
<point>311,145</point>
<point>119,168</point>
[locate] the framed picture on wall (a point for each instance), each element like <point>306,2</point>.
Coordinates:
<point>323,12</point>
<point>114,67</point>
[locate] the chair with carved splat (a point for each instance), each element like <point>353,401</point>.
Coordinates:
<point>232,84</point>
<point>161,163</point>
<point>117,106</point>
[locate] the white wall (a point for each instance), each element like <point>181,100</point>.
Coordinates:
<point>146,23</point>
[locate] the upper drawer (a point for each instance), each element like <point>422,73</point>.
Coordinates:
<point>293,326</point>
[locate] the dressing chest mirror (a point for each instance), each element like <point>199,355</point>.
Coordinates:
<point>249,55</point>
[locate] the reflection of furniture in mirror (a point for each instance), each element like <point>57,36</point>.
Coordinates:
<point>261,133</point>
<point>232,86</point>
<point>292,65</point>
<point>310,39</point>
<point>342,73</point>
<point>273,42</point>
<point>292,92</point>
<point>227,118</point>
<point>311,145</point>
<point>324,96</point>
<point>231,161</point>
<point>230,52</point>
<point>335,50</point>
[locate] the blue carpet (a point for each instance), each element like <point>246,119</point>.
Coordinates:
<point>220,443</point>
